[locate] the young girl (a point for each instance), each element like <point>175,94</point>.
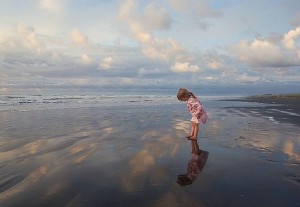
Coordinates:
<point>196,109</point>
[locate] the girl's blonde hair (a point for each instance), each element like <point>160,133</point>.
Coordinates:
<point>182,93</point>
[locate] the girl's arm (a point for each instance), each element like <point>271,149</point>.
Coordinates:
<point>195,107</point>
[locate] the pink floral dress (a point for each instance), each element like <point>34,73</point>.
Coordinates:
<point>197,111</point>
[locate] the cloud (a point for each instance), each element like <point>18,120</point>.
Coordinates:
<point>3,90</point>
<point>107,63</point>
<point>213,60</point>
<point>86,59</point>
<point>244,78</point>
<point>28,39</point>
<point>152,73</point>
<point>79,38</point>
<point>126,7</point>
<point>209,78</point>
<point>51,5</point>
<point>236,76</point>
<point>198,10</point>
<point>142,31</point>
<point>156,17</point>
<point>200,7</point>
<point>214,65</point>
<point>258,52</point>
<point>290,38</point>
<point>179,67</point>
<point>161,50</point>
<point>143,71</point>
<point>21,42</point>
<point>266,53</point>
<point>179,5</point>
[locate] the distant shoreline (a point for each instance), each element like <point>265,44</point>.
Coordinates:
<point>291,100</point>
<point>284,107</point>
<point>276,97</point>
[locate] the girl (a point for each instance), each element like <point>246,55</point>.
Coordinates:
<point>196,109</point>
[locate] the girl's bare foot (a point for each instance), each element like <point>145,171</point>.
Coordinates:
<point>192,138</point>
<point>189,136</point>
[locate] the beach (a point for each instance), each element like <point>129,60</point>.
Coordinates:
<point>134,153</point>
<point>281,107</point>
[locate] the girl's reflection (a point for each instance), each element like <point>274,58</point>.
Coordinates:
<point>195,166</point>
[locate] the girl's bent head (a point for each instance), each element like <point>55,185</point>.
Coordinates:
<point>183,94</point>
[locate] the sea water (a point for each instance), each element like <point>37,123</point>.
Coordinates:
<point>45,101</point>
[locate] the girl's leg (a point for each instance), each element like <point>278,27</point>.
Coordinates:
<point>192,131</point>
<point>195,130</point>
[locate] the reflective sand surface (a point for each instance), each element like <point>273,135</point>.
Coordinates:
<point>138,156</point>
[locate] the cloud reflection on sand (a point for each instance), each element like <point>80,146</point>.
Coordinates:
<point>85,150</point>
<point>271,140</point>
<point>158,146</point>
<point>289,148</point>
<point>28,182</point>
<point>151,151</point>
<point>46,155</point>
<point>182,125</point>
<point>253,132</point>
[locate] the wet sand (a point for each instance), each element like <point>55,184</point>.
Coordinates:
<point>139,156</point>
<point>282,108</point>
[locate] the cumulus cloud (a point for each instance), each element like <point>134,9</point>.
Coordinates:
<point>290,38</point>
<point>158,49</point>
<point>265,53</point>
<point>51,5</point>
<point>179,67</point>
<point>214,65</point>
<point>23,39</point>
<point>216,61</point>
<point>141,30</point>
<point>79,38</point>
<point>29,39</point>
<point>86,59</point>
<point>259,52</point>
<point>106,63</point>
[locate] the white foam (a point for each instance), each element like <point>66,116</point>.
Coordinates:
<point>286,112</point>
<point>272,119</point>
<point>41,102</point>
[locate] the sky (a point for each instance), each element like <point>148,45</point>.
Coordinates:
<point>210,45</point>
